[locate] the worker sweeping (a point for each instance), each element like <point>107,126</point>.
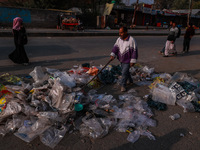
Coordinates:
<point>125,49</point>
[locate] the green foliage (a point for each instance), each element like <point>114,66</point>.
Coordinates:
<point>180,4</point>
<point>196,5</point>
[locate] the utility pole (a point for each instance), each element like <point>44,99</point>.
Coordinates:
<point>189,12</point>
<point>136,6</point>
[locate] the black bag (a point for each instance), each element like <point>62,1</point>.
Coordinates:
<point>23,39</point>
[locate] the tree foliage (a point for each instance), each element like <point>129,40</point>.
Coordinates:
<point>176,4</point>
<point>92,4</point>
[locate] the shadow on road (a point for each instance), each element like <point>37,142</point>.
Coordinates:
<point>161,143</point>
<point>47,63</point>
<point>37,51</point>
<point>193,52</point>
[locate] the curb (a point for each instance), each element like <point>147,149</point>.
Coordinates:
<point>9,34</point>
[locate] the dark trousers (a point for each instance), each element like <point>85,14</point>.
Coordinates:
<point>186,44</point>
<point>125,74</point>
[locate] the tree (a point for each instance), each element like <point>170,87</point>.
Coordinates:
<point>196,4</point>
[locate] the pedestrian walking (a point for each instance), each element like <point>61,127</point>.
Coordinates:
<point>189,33</point>
<point>20,39</point>
<point>125,49</point>
<point>170,45</point>
<point>169,27</point>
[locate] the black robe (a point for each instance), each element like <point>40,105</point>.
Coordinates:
<point>19,55</point>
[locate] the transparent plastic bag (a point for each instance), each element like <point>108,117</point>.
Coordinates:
<point>38,76</point>
<point>162,94</point>
<point>148,70</point>
<point>179,76</point>
<point>3,130</point>
<point>30,132</point>
<point>133,136</point>
<point>148,134</point>
<point>49,115</point>
<point>11,108</point>
<point>52,136</point>
<point>56,94</point>
<point>91,128</point>
<point>15,123</point>
<point>67,103</point>
<point>63,77</point>
<point>187,106</point>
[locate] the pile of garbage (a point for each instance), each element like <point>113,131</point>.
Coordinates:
<point>54,104</point>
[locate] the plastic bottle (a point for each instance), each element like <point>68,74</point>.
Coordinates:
<point>175,116</point>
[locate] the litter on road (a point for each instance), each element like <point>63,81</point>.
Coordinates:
<point>53,103</point>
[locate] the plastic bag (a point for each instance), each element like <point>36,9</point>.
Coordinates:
<point>56,94</point>
<point>162,94</point>
<point>187,106</point>
<point>92,128</point>
<point>63,77</point>
<point>29,132</point>
<point>38,76</point>
<point>49,115</point>
<point>15,123</point>
<point>67,103</point>
<point>3,130</point>
<point>148,70</point>
<point>179,76</point>
<point>11,108</point>
<point>134,136</point>
<point>52,136</point>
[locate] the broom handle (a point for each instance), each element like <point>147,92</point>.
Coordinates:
<point>97,73</point>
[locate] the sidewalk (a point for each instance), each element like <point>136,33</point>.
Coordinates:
<point>90,32</point>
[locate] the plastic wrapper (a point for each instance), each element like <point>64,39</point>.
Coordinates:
<point>11,108</point>
<point>166,97</point>
<point>183,90</point>
<point>30,131</point>
<point>52,136</point>
<point>11,78</point>
<point>38,76</point>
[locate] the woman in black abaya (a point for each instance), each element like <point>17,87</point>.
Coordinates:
<point>19,55</point>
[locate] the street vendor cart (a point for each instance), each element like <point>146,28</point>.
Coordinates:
<point>70,22</point>
<point>70,26</point>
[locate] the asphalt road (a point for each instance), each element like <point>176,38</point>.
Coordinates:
<point>63,53</point>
